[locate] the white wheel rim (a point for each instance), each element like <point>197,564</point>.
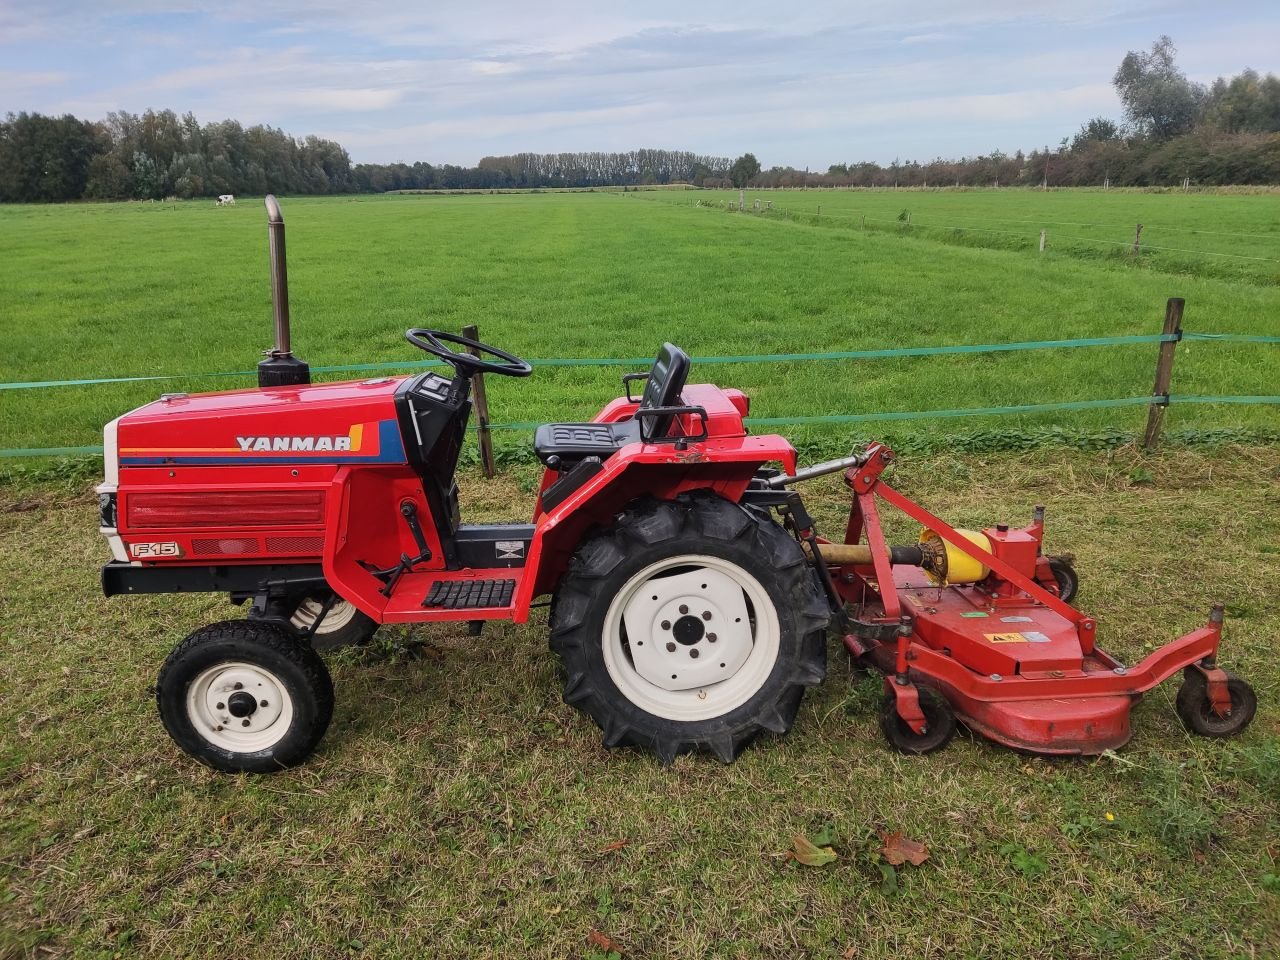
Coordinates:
<point>340,614</point>
<point>684,602</point>
<point>223,697</point>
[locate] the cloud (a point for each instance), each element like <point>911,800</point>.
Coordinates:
<point>832,79</point>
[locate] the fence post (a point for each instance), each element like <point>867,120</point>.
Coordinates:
<point>742,200</point>
<point>1164,372</point>
<point>481,402</point>
<point>1137,239</point>
<point>1042,241</point>
<point>819,216</point>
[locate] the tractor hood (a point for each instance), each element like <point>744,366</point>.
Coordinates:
<point>326,423</point>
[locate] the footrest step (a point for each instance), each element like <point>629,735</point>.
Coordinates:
<point>468,594</point>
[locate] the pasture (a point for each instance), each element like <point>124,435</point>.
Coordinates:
<point>101,291</point>
<point>457,807</point>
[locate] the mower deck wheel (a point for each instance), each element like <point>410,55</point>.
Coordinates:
<point>1068,579</point>
<point>343,626</point>
<point>940,724</point>
<point>245,696</point>
<point>1196,710</point>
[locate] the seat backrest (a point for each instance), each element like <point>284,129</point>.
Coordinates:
<point>667,377</point>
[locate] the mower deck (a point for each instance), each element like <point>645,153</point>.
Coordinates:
<point>1012,659</point>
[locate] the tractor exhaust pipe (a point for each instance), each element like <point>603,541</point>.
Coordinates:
<point>280,368</point>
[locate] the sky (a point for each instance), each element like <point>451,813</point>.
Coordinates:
<point>804,84</point>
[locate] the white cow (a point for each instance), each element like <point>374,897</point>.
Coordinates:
<point>226,200</point>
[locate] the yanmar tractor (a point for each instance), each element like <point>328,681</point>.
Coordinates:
<point>690,594</point>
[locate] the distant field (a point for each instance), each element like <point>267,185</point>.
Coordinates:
<point>93,291</point>
<point>1230,235</point>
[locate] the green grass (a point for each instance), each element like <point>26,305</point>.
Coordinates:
<point>1223,234</point>
<point>458,808</point>
<point>152,289</point>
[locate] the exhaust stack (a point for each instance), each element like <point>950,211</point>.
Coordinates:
<point>281,368</point>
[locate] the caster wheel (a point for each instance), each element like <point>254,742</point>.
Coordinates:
<point>342,626</point>
<point>1196,711</point>
<point>1068,580</point>
<point>940,724</point>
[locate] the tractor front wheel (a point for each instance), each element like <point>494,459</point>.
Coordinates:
<point>245,696</point>
<point>690,625</point>
<point>1195,708</point>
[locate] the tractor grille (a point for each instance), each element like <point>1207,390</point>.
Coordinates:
<point>224,546</point>
<point>296,546</point>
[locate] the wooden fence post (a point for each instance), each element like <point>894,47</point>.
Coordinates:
<point>481,403</point>
<point>1137,239</point>
<point>1164,372</point>
<point>1042,241</point>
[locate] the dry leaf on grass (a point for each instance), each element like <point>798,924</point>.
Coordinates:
<point>614,847</point>
<point>604,942</point>
<point>804,851</point>
<point>898,849</point>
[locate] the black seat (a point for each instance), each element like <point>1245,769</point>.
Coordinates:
<point>564,445</point>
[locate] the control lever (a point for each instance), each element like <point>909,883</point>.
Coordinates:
<point>392,575</point>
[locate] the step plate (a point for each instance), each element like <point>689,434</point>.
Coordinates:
<point>470,594</point>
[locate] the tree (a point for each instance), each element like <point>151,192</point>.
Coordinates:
<point>1158,98</point>
<point>1097,130</point>
<point>744,170</point>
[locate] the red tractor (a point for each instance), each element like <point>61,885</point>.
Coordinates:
<point>690,595</point>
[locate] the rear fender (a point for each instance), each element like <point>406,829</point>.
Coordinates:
<point>724,467</point>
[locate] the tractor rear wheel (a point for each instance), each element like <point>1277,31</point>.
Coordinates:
<point>690,625</point>
<point>245,696</point>
<point>343,626</point>
<point>1195,709</point>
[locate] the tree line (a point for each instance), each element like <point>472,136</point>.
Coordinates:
<point>1224,133</point>
<point>158,155</point>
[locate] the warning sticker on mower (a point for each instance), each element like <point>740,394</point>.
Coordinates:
<point>1027,636</point>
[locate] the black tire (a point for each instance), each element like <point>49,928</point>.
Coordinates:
<point>343,625</point>
<point>1067,578</point>
<point>652,532</point>
<point>1195,709</point>
<point>271,654</point>
<point>940,723</point>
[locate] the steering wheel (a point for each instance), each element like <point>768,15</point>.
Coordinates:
<point>467,364</point>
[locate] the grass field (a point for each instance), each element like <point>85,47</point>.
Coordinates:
<point>457,807</point>
<point>143,289</point>
<point>1234,236</point>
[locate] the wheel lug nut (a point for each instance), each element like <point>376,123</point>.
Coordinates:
<point>694,653</point>
<point>706,614</point>
<point>222,706</point>
<point>666,624</point>
<point>684,608</point>
<point>239,686</point>
<point>244,722</point>
<point>671,648</point>
<point>711,638</point>
<point>262,703</point>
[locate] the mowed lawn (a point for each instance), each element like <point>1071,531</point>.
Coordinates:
<point>95,291</point>
<point>457,808</point>
<point>1234,235</point>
